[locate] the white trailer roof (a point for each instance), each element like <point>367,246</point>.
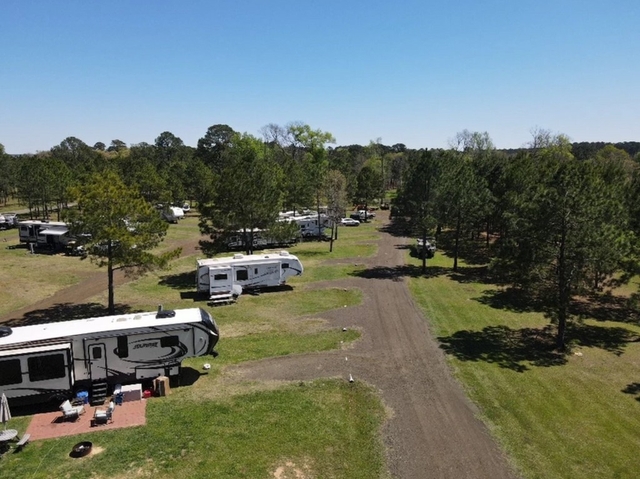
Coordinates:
<point>92,326</point>
<point>244,258</point>
<point>54,231</point>
<point>42,223</point>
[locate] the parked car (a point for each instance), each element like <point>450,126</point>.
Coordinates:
<point>349,222</point>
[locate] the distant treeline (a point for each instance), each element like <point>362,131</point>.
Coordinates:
<point>588,149</point>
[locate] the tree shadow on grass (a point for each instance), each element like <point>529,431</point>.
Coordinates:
<point>178,281</point>
<point>513,349</point>
<point>513,299</point>
<point>613,339</point>
<point>518,349</point>
<point>472,252</point>
<point>473,274</point>
<point>606,307</point>
<point>67,312</point>
<point>633,389</point>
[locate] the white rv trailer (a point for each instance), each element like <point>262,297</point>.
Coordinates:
<point>30,231</point>
<point>50,361</point>
<point>427,248</point>
<point>308,224</point>
<point>224,279</point>
<point>261,240</point>
<point>172,214</point>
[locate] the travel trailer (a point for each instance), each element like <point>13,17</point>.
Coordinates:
<point>261,240</point>
<point>427,248</point>
<point>224,279</point>
<point>8,220</point>
<point>308,224</point>
<point>30,231</point>
<point>51,361</point>
<point>172,214</point>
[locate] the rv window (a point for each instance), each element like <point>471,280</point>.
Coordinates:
<point>242,275</point>
<point>11,372</point>
<point>285,265</point>
<point>96,352</point>
<point>219,277</point>
<point>255,271</point>
<point>123,347</point>
<point>42,368</point>
<point>169,341</point>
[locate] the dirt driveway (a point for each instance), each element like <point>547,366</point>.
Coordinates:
<point>433,431</point>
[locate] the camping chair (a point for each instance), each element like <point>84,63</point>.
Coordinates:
<point>103,416</point>
<point>71,412</point>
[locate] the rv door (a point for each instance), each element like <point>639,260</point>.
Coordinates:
<point>97,360</point>
<point>220,280</point>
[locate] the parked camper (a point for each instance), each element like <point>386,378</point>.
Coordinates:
<point>33,231</point>
<point>8,220</point>
<point>224,279</point>
<point>172,214</point>
<point>308,224</point>
<point>51,361</point>
<point>427,248</point>
<point>260,240</point>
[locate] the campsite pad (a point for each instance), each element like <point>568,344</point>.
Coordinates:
<point>49,425</point>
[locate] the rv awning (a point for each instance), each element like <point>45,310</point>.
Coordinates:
<point>54,232</point>
<point>36,349</point>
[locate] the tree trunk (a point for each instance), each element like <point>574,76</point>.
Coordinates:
<point>563,295</point>
<point>111,301</point>
<point>455,250</point>
<point>488,232</point>
<point>333,226</point>
<point>424,250</point>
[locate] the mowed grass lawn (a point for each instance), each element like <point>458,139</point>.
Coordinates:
<point>223,428</point>
<point>28,278</point>
<point>577,417</point>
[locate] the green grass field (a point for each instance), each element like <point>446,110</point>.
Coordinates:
<point>221,428</point>
<point>573,416</point>
<point>558,417</point>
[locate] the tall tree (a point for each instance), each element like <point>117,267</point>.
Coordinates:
<point>120,227</point>
<point>336,194</point>
<point>172,158</point>
<point>558,220</point>
<point>369,187</point>
<point>464,197</point>
<point>79,157</point>
<point>139,171</point>
<point>247,197</point>
<point>213,146</point>
<point>417,197</point>
<point>8,180</point>
<point>316,161</point>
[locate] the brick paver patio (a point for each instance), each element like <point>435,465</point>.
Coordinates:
<point>50,425</point>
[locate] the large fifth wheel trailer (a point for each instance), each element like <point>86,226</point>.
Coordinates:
<point>52,360</point>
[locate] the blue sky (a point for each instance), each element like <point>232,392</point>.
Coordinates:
<point>412,72</point>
